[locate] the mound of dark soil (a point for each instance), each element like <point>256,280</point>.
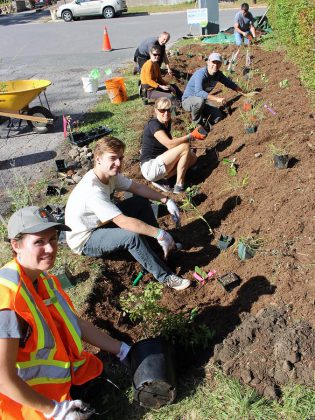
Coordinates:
<point>269,350</point>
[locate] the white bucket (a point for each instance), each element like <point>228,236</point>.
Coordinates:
<point>89,85</point>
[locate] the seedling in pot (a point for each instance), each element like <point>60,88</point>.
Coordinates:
<point>232,169</point>
<point>229,281</point>
<point>280,156</point>
<point>248,246</point>
<point>225,241</point>
<point>201,275</point>
<point>252,117</point>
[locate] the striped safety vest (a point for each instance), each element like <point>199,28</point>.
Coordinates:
<point>52,359</point>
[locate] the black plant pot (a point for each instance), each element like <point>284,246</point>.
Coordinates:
<point>153,374</point>
<point>281,161</point>
<point>60,164</point>
<point>81,139</point>
<point>229,281</point>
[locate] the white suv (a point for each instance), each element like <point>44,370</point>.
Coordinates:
<point>80,8</point>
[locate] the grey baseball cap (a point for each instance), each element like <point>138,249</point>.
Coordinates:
<point>215,57</point>
<point>32,219</point>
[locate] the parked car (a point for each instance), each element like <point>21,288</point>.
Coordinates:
<point>80,8</point>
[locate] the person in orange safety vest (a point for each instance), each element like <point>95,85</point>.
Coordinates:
<point>41,354</point>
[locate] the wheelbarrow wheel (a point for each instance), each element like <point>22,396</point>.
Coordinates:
<point>39,111</point>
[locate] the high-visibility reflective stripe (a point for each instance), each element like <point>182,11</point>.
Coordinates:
<point>79,363</point>
<point>41,371</point>
<point>46,344</point>
<point>38,362</point>
<point>8,284</point>
<point>65,312</point>
<point>49,381</point>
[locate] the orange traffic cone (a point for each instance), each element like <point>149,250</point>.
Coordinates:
<point>106,41</point>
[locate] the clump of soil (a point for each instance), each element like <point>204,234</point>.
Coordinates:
<point>269,350</point>
<point>275,205</point>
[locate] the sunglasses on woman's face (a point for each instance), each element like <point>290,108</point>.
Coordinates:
<point>162,111</point>
<point>156,55</point>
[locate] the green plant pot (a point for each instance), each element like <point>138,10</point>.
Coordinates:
<point>225,241</point>
<point>251,129</point>
<point>244,252</point>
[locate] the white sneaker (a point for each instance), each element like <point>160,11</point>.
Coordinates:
<point>176,282</point>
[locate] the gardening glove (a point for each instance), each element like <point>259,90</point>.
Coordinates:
<point>173,210</point>
<point>123,353</point>
<point>70,410</point>
<point>199,133</point>
<point>166,241</point>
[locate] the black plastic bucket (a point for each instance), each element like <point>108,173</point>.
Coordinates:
<point>153,374</point>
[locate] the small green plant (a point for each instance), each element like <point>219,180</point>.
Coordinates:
<point>157,320</point>
<point>20,195</point>
<point>264,78</point>
<point>236,184</point>
<point>252,243</point>
<point>252,116</point>
<point>201,272</point>
<point>277,151</point>
<point>232,169</point>
<point>283,84</point>
<point>189,206</point>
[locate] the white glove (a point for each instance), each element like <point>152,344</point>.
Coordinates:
<point>166,241</point>
<point>173,210</point>
<point>70,410</point>
<point>123,352</point>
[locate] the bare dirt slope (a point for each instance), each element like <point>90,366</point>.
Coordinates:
<point>275,301</point>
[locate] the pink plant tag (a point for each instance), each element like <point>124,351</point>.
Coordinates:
<point>201,280</point>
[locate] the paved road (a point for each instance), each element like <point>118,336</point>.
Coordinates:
<point>32,47</point>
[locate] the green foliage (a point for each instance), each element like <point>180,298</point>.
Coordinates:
<point>201,272</point>
<point>236,184</point>
<point>189,206</point>
<point>145,307</point>
<point>293,26</point>
<point>158,320</point>
<point>283,84</point>
<point>20,195</point>
<point>232,170</point>
<point>252,243</point>
<point>298,403</point>
<point>254,115</point>
<point>277,151</point>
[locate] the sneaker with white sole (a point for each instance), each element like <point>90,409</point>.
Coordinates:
<point>176,282</point>
<point>162,185</point>
<point>178,189</point>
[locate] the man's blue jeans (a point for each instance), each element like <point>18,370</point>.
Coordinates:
<point>239,39</point>
<point>110,238</point>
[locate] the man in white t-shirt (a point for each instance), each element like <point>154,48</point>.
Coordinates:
<point>99,226</point>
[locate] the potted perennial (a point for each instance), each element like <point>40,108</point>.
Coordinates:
<point>248,246</point>
<point>280,156</point>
